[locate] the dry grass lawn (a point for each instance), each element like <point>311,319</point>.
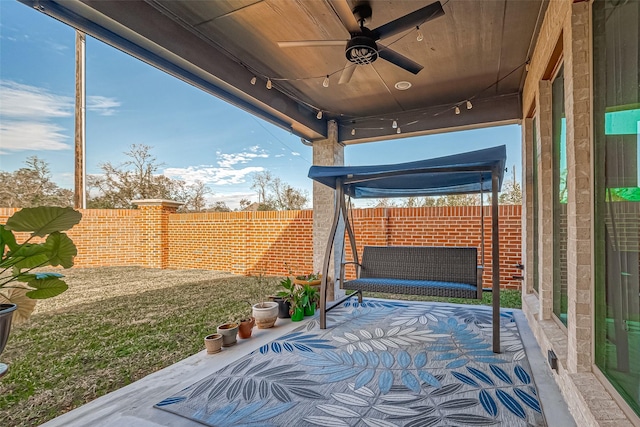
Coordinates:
<point>112,327</point>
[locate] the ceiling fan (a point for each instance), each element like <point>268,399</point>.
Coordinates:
<point>362,48</point>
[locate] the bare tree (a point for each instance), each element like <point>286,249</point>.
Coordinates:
<point>138,178</point>
<point>273,194</point>
<point>32,186</point>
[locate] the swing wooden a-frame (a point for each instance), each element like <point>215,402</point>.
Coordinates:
<point>432,271</point>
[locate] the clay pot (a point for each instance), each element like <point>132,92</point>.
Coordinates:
<point>246,327</point>
<point>213,343</point>
<point>266,314</point>
<point>229,332</point>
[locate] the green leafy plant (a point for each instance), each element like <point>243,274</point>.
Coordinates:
<point>19,284</point>
<point>311,293</point>
<point>293,294</point>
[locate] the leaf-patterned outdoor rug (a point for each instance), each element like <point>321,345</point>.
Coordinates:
<point>378,364</point>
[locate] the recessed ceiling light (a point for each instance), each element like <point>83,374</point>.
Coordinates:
<point>403,85</point>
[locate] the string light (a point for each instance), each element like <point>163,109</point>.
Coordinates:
<point>353,131</point>
<point>325,83</point>
<point>469,105</point>
<point>419,36</point>
<point>319,116</point>
<point>398,130</point>
<point>253,80</point>
<point>268,83</point>
<point>457,110</point>
<point>526,67</point>
<point>394,124</point>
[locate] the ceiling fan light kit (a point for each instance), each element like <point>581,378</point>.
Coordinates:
<point>362,47</point>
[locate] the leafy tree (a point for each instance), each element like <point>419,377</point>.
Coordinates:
<point>219,207</point>
<point>273,194</point>
<point>511,191</point>
<point>138,178</point>
<point>31,186</point>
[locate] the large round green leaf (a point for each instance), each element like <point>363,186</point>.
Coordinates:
<point>60,249</point>
<point>7,239</point>
<point>46,288</point>
<point>43,220</point>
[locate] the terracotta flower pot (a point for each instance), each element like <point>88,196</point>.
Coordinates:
<point>229,332</point>
<point>266,314</point>
<point>213,343</point>
<point>246,327</point>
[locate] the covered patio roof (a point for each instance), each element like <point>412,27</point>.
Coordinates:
<point>472,54</point>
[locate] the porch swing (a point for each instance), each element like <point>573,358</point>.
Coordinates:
<point>432,271</point>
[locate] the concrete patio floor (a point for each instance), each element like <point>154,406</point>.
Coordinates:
<point>133,405</point>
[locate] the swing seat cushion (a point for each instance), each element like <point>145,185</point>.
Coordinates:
<point>431,271</point>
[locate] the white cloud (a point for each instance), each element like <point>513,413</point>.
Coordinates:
<point>24,135</point>
<point>231,199</point>
<point>228,160</point>
<point>211,175</point>
<point>295,153</point>
<point>102,105</point>
<point>28,111</point>
<point>29,102</point>
<point>279,155</point>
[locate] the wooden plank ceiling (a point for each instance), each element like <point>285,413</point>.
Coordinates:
<point>476,51</point>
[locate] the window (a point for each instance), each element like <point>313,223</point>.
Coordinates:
<point>616,117</point>
<point>559,124</point>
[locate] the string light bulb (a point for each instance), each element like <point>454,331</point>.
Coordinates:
<point>469,105</point>
<point>253,80</point>
<point>457,110</point>
<point>353,131</point>
<point>526,67</point>
<point>419,36</point>
<point>268,83</point>
<point>398,130</point>
<point>319,116</point>
<point>394,124</point>
<point>325,83</point>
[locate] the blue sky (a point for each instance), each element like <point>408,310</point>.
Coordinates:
<point>194,135</point>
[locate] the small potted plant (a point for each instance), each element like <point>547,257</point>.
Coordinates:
<point>311,295</point>
<point>312,279</point>
<point>283,298</point>
<point>229,332</point>
<point>265,313</point>
<point>298,300</point>
<point>245,327</point>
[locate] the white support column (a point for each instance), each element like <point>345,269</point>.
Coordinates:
<point>327,152</point>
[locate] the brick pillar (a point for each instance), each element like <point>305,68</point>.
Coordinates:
<point>580,193</point>
<point>154,231</point>
<point>545,201</point>
<point>326,152</point>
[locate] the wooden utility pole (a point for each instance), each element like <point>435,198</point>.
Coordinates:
<point>80,196</point>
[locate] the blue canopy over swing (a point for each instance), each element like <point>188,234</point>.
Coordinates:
<point>466,173</point>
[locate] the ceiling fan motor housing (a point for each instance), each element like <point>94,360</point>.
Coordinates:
<point>361,49</point>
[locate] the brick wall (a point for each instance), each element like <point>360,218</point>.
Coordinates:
<point>268,242</point>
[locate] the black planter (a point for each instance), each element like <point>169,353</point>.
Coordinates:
<point>283,307</point>
<point>6,313</point>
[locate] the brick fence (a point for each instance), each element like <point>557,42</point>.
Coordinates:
<point>154,235</point>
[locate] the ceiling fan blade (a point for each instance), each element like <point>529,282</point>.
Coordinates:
<point>343,10</point>
<point>347,72</point>
<point>410,20</point>
<point>399,60</point>
<point>305,43</point>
